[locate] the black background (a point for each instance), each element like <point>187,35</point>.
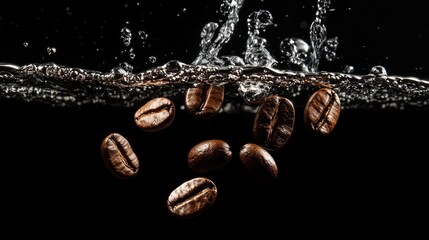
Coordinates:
<point>368,178</point>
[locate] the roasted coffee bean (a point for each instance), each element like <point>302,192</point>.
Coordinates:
<point>322,111</point>
<point>157,114</point>
<point>204,101</point>
<point>192,197</point>
<point>119,157</point>
<point>258,162</point>
<point>209,155</point>
<point>274,122</point>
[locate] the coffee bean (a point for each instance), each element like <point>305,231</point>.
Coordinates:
<point>192,197</point>
<point>322,111</point>
<point>204,101</point>
<point>157,114</point>
<point>209,155</point>
<point>119,157</point>
<point>258,162</point>
<point>274,122</point>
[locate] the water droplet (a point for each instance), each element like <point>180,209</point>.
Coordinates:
<point>253,92</point>
<point>378,70</point>
<point>126,66</point>
<point>152,59</point>
<point>126,36</point>
<point>142,34</point>
<point>173,66</point>
<point>349,69</point>
<point>51,50</point>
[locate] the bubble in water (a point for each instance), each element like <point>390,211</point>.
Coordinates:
<point>132,54</point>
<point>152,59</point>
<point>51,50</point>
<point>143,35</point>
<point>349,69</point>
<point>126,66</point>
<point>254,92</point>
<point>378,70</point>
<point>173,66</point>
<point>126,36</point>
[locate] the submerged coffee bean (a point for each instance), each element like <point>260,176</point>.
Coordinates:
<point>192,197</point>
<point>204,101</point>
<point>274,122</point>
<point>119,157</point>
<point>322,111</point>
<point>157,114</point>
<point>258,162</point>
<point>209,155</point>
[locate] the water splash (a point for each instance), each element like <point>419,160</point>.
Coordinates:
<point>211,43</point>
<point>256,55</point>
<point>304,56</point>
<point>249,78</point>
<point>65,86</point>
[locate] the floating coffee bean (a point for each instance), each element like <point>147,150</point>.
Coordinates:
<point>274,122</point>
<point>204,101</point>
<point>322,111</point>
<point>192,197</point>
<point>258,162</point>
<point>118,156</point>
<point>209,155</point>
<point>155,115</point>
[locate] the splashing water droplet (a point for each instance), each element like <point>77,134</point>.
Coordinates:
<point>348,69</point>
<point>152,59</point>
<point>132,54</point>
<point>126,36</point>
<point>51,50</point>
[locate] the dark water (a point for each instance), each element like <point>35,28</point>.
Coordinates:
<point>368,178</point>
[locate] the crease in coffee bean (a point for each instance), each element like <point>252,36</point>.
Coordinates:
<point>118,156</point>
<point>185,200</point>
<point>323,118</point>
<point>122,154</point>
<point>161,108</point>
<point>204,101</point>
<point>322,111</point>
<point>205,92</point>
<point>192,197</point>
<point>192,191</point>
<point>273,123</point>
